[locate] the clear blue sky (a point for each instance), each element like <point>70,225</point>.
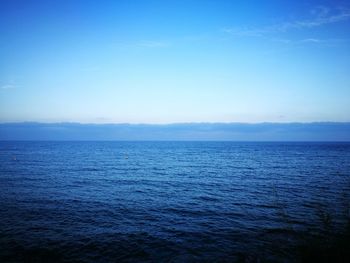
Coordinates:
<point>174,61</point>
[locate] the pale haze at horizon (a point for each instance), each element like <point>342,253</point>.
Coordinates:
<point>174,61</point>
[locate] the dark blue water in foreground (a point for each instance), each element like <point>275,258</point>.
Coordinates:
<point>168,201</point>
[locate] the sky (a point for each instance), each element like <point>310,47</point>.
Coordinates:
<point>174,61</point>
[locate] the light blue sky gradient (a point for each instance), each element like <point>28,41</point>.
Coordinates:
<point>174,61</point>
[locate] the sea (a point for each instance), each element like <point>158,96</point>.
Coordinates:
<point>171,201</point>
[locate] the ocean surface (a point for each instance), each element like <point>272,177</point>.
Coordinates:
<point>169,201</point>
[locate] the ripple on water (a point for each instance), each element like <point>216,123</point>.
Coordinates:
<point>168,201</point>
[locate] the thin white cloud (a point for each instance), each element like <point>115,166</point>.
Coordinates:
<point>8,86</point>
<point>311,41</point>
<point>320,16</point>
<point>245,32</point>
<point>283,41</point>
<point>319,21</point>
<point>152,44</point>
<point>320,11</point>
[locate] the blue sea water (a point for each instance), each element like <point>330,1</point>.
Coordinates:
<point>168,201</point>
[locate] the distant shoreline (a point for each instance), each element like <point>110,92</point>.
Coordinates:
<point>260,132</point>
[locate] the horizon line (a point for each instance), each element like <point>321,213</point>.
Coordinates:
<point>174,123</point>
